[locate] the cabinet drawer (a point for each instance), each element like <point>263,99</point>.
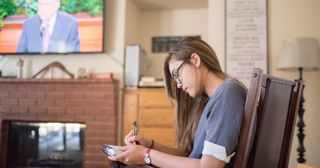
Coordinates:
<point>156,117</point>
<point>154,99</point>
<point>164,136</point>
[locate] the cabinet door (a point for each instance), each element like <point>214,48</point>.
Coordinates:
<point>164,136</point>
<point>130,112</point>
<point>154,99</point>
<point>153,111</point>
<point>159,117</point>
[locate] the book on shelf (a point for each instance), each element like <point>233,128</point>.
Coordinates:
<point>151,82</point>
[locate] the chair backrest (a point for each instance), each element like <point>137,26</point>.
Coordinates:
<point>268,123</point>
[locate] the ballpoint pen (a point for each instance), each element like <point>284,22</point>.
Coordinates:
<point>135,130</point>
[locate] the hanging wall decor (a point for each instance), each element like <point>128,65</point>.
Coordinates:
<point>246,37</point>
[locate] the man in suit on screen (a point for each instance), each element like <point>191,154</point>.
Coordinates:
<point>50,31</point>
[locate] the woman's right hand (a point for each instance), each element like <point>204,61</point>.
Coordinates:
<point>133,139</point>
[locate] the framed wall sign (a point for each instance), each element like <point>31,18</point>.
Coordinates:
<point>164,43</point>
<point>246,37</point>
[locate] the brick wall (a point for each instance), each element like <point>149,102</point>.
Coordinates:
<point>88,101</point>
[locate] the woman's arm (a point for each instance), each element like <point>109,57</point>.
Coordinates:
<point>134,154</point>
<point>169,161</point>
<point>131,139</point>
<point>165,149</point>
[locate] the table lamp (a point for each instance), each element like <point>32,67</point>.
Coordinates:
<point>300,54</point>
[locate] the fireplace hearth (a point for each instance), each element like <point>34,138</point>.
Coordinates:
<point>45,144</point>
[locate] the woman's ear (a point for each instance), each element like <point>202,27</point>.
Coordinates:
<point>195,59</point>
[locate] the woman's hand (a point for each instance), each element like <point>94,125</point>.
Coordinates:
<point>139,139</point>
<point>131,155</point>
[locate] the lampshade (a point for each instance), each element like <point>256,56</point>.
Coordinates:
<point>299,53</point>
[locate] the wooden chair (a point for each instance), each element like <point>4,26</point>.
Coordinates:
<point>268,124</point>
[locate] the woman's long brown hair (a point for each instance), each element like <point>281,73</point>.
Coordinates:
<point>187,109</point>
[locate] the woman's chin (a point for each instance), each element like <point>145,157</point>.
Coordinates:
<point>191,94</point>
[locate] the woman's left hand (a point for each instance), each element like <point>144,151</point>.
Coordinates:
<point>132,155</point>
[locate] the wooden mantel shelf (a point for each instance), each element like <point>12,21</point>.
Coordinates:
<point>17,80</point>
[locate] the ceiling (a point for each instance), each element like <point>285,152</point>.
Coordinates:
<point>149,5</point>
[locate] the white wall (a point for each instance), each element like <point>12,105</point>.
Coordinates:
<point>216,28</point>
<point>286,18</point>
<point>295,18</point>
<point>169,23</point>
<point>132,23</point>
<point>142,25</point>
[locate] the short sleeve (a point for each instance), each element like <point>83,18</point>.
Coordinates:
<point>224,121</point>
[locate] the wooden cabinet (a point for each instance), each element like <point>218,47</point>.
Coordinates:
<point>152,110</point>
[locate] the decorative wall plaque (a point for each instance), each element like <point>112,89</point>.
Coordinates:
<point>163,44</point>
<point>246,38</point>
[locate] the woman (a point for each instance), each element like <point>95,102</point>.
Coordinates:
<point>209,110</point>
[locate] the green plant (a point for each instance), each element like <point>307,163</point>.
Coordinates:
<point>69,6</point>
<point>93,7</point>
<point>7,8</point>
<point>27,7</point>
<point>31,8</point>
<point>2,14</point>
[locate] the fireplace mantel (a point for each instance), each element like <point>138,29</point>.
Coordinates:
<point>84,80</point>
<point>89,101</point>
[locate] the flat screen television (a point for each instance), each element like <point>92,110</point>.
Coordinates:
<point>51,26</point>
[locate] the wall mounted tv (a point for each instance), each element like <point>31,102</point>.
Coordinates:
<point>51,26</point>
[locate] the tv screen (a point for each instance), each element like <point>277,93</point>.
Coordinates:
<point>51,26</point>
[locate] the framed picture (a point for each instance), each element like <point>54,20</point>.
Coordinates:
<point>246,38</point>
<point>164,43</point>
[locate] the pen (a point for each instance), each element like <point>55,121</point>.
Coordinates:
<point>135,130</point>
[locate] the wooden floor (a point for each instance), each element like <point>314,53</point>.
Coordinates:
<point>90,34</point>
<point>304,166</point>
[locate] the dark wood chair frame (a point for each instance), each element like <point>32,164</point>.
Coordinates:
<point>268,124</point>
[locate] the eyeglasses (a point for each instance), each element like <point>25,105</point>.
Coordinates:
<point>175,73</point>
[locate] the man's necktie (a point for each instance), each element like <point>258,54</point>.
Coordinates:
<point>45,38</point>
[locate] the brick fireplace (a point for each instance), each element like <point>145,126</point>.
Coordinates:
<point>89,101</point>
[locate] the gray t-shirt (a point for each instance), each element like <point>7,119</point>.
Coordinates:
<point>220,123</point>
